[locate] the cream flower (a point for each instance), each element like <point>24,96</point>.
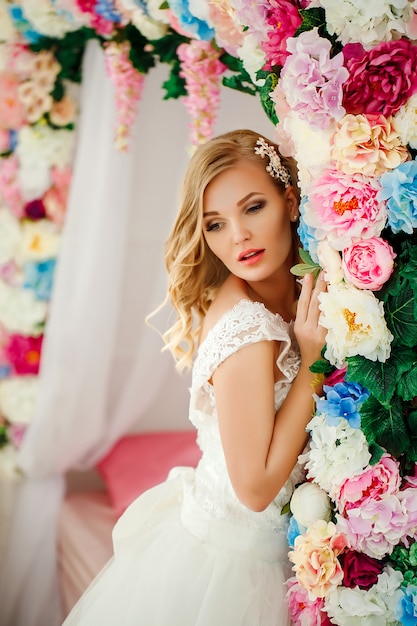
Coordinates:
<point>8,460</point>
<point>367,144</point>
<point>7,31</point>
<point>311,148</point>
<point>10,236</point>
<point>310,503</point>
<point>39,148</point>
<point>252,58</point>
<point>331,262</point>
<point>20,312</point>
<point>336,453</point>
<point>18,396</point>
<point>356,324</point>
<point>46,19</point>
<point>35,100</point>
<point>40,240</point>
<point>406,122</point>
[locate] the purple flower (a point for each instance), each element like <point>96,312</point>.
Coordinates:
<point>312,80</point>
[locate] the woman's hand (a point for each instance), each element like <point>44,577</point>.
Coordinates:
<point>311,336</point>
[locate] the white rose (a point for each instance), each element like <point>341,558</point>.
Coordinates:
<point>310,503</point>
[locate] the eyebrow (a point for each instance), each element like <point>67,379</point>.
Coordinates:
<point>242,201</point>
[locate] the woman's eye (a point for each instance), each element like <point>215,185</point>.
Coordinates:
<point>255,208</point>
<point>213,226</point>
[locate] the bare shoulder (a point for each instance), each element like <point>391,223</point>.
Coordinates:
<point>230,293</point>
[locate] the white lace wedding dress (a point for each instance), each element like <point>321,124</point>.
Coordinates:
<point>187,552</point>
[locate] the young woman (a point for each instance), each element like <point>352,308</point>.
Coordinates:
<point>208,546</point>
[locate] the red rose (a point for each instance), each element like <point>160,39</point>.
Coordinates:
<point>360,569</point>
<point>380,80</point>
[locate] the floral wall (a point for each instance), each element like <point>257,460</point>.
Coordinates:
<point>338,82</point>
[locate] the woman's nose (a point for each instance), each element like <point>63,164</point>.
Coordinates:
<point>240,233</point>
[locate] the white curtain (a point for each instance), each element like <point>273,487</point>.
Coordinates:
<point>102,371</point>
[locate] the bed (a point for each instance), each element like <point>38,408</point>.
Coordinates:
<point>95,500</point>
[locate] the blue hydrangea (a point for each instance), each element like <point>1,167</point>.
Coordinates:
<point>105,8</point>
<point>406,608</point>
<point>307,234</point>
<point>5,370</point>
<point>399,188</point>
<point>39,278</point>
<point>343,400</point>
<point>293,531</point>
<point>13,139</point>
<point>192,24</point>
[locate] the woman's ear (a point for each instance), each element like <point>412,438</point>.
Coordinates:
<point>292,203</point>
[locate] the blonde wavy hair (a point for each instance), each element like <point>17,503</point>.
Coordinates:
<point>194,272</point>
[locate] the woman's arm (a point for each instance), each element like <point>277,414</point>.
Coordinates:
<point>261,447</point>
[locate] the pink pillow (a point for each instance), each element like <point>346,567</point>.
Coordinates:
<point>140,461</point>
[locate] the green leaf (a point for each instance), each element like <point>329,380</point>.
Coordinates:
<point>269,85</point>
<point>174,85</point>
<point>321,366</point>
<point>380,379</point>
<point>376,453</point>
<point>407,385</point>
<point>312,18</point>
<point>385,425</point>
<point>401,316</point>
<point>285,509</point>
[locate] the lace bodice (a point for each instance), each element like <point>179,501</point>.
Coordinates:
<point>247,322</point>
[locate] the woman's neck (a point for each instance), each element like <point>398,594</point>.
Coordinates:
<point>278,298</point>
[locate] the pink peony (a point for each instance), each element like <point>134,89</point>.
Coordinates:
<point>303,611</point>
<point>367,144</point>
<point>382,79</point>
<point>376,526</point>
<point>315,553</point>
<point>408,499</point>
<point>368,263</point>
<point>12,112</point>
<point>344,208</point>
<point>378,480</point>
<point>283,19</point>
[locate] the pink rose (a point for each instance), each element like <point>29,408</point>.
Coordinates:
<point>337,376</point>
<point>360,569</point>
<point>377,481</point>
<point>368,263</point>
<point>382,79</point>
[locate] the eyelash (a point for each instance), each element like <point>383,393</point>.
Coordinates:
<point>252,209</point>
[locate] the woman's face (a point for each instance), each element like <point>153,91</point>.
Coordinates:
<point>247,222</point>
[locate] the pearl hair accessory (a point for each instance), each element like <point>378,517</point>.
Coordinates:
<point>275,167</point>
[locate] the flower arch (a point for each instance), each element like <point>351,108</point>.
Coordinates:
<point>339,85</point>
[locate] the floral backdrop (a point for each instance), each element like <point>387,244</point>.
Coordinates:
<point>338,81</point>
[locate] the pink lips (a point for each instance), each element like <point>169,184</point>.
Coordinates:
<point>249,257</point>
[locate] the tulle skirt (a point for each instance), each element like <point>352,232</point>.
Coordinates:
<point>176,565</point>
